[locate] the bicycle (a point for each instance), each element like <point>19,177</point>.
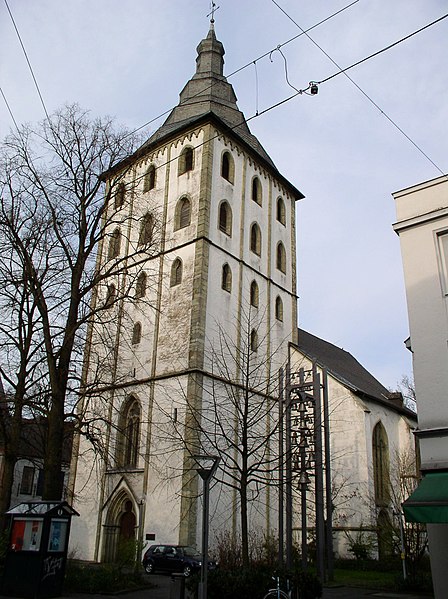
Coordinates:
<point>277,593</point>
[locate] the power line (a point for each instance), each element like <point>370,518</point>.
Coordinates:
<point>9,110</point>
<point>252,62</point>
<point>27,60</point>
<point>344,72</point>
<point>305,90</point>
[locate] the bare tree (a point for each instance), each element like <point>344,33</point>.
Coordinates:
<point>56,215</point>
<point>237,417</point>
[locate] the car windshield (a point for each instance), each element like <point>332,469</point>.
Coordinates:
<point>190,551</point>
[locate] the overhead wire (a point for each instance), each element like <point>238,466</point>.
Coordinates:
<point>9,109</point>
<point>27,59</point>
<point>304,90</point>
<point>343,71</point>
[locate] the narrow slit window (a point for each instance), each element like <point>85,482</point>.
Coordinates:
<point>281,257</point>
<point>254,294</point>
<point>255,239</point>
<point>226,278</point>
<point>176,272</point>
<point>225,218</point>
<point>150,178</point>
<point>256,190</point>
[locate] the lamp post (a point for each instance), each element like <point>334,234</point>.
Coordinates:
<point>206,466</point>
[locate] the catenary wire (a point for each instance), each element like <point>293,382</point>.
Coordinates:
<point>27,59</point>
<point>344,72</point>
<point>9,110</point>
<point>304,90</point>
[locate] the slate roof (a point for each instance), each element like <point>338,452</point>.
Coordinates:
<point>347,370</point>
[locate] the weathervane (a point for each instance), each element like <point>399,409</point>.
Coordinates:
<point>214,8</point>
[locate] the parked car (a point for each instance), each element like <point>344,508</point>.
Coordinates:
<point>174,558</point>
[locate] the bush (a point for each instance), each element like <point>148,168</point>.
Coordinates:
<point>100,578</point>
<point>242,583</point>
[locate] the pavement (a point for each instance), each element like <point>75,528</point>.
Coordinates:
<point>163,587</point>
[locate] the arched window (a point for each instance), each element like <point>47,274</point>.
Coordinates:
<point>146,229</point>
<point>150,178</point>
<point>281,211</point>
<point>110,295</point>
<point>136,333</point>
<point>226,278</point>
<point>129,434</point>
<point>254,294</point>
<point>281,257</point>
<point>119,195</point>
<point>140,287</point>
<point>279,308</point>
<point>256,190</point>
<point>183,213</point>
<point>186,160</point>
<point>381,478</point>
<point>255,239</point>
<point>227,167</point>
<point>176,272</point>
<point>253,340</point>
<point>225,218</point>
<point>114,244</point>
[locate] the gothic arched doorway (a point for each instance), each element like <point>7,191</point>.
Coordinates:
<point>120,531</point>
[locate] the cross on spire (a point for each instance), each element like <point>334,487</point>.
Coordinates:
<point>214,8</point>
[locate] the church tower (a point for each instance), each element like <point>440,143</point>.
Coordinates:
<point>219,222</point>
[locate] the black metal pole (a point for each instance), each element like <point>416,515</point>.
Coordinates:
<point>320,526</point>
<point>329,501</point>
<point>281,466</point>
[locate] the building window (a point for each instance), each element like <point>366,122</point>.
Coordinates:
<point>227,167</point>
<point>111,295</point>
<point>26,485</point>
<point>129,434</point>
<point>186,160</point>
<point>146,230</point>
<point>114,244</point>
<point>256,190</point>
<point>225,218</point>
<point>253,340</point>
<point>279,308</point>
<point>442,239</point>
<point>140,287</point>
<point>381,478</point>
<point>183,213</point>
<point>281,257</point>
<point>176,272</point>
<point>255,239</point>
<point>254,294</point>
<point>136,333</point>
<point>119,196</point>
<point>226,278</point>
<point>150,179</point>
<point>281,211</point>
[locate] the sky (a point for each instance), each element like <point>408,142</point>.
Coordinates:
<point>131,58</point>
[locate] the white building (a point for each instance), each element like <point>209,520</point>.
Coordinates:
<point>422,225</point>
<point>370,429</point>
<point>219,220</point>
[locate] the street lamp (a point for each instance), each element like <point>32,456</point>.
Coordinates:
<point>206,466</point>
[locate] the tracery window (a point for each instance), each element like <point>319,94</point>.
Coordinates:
<point>119,195</point>
<point>183,213</point>
<point>150,178</point>
<point>140,287</point>
<point>226,278</point>
<point>114,244</point>
<point>381,462</point>
<point>227,167</point>
<point>255,239</point>
<point>281,257</point>
<point>146,229</point>
<point>176,272</point>
<point>256,190</point>
<point>129,434</point>
<point>254,294</point>
<point>281,211</point>
<point>186,160</point>
<point>136,333</point>
<point>279,308</point>
<point>225,218</point>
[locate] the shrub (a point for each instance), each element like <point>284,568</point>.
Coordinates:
<point>99,578</point>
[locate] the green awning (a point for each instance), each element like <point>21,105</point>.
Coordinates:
<point>429,501</point>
